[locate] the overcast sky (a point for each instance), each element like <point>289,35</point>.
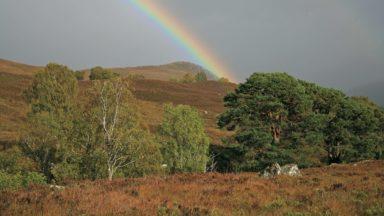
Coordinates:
<point>337,43</point>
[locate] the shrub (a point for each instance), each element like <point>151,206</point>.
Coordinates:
<point>16,181</point>
<point>63,172</point>
<point>136,76</point>
<point>99,73</point>
<point>11,161</point>
<point>201,77</point>
<point>10,181</point>
<point>375,210</point>
<point>79,75</point>
<point>31,178</point>
<point>188,78</point>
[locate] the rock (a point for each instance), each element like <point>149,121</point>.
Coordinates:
<point>272,171</point>
<point>275,169</point>
<point>290,170</point>
<point>56,187</point>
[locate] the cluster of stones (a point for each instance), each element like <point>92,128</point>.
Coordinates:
<point>275,169</point>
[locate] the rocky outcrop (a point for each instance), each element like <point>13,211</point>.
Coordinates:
<point>275,169</point>
<point>290,170</point>
<point>272,171</point>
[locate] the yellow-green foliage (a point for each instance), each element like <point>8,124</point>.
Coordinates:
<point>113,113</point>
<point>184,141</point>
<point>53,90</point>
<point>47,133</point>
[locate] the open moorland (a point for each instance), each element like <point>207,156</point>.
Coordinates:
<point>355,189</point>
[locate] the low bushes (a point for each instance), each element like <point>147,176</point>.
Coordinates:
<point>17,181</point>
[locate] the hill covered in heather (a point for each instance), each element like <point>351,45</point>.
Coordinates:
<point>152,92</point>
<point>175,70</point>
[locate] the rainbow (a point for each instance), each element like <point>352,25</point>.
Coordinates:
<point>180,35</point>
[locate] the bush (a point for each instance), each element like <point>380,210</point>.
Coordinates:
<point>79,75</point>
<point>14,161</point>
<point>376,210</point>
<point>99,73</point>
<point>17,181</point>
<point>64,171</point>
<point>9,161</point>
<point>188,78</point>
<point>31,178</point>
<point>9,181</point>
<point>136,76</point>
<point>201,77</point>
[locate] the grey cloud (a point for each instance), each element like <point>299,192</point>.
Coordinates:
<point>337,43</point>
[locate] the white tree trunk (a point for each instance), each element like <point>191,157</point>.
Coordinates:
<point>110,174</point>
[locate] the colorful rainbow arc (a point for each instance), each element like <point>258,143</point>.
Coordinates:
<point>182,37</point>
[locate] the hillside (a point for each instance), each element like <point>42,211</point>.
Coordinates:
<point>165,72</point>
<point>175,70</point>
<point>14,78</point>
<point>207,97</point>
<point>374,91</point>
<point>356,189</point>
<point>17,68</point>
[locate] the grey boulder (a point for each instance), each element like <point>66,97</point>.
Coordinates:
<point>275,169</point>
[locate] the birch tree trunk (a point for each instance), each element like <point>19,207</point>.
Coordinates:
<point>114,99</point>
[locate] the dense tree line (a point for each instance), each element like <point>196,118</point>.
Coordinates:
<point>277,118</point>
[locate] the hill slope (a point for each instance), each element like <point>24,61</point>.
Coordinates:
<point>151,94</point>
<point>336,190</point>
<point>165,72</point>
<point>374,91</point>
<point>17,68</point>
<point>175,70</point>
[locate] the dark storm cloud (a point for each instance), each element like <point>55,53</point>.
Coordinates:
<point>337,43</point>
